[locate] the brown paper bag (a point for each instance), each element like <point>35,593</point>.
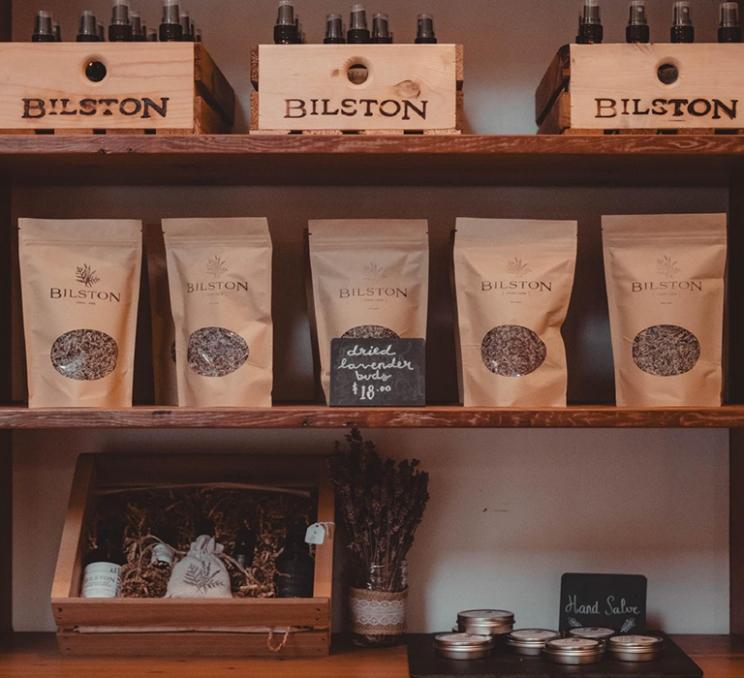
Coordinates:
<point>370,279</point>
<point>219,273</point>
<point>665,288</point>
<point>513,281</point>
<point>80,282</point>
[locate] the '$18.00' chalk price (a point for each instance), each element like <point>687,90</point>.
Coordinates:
<point>369,391</point>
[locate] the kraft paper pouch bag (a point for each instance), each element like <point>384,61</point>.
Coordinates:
<point>163,330</point>
<point>80,283</point>
<point>665,288</point>
<point>219,273</point>
<point>513,281</point>
<point>370,279</point>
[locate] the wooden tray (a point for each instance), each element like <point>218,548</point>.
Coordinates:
<point>160,88</point>
<point>642,89</point>
<point>218,627</point>
<point>364,89</point>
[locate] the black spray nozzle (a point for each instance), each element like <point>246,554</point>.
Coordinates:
<point>729,27</point>
<point>358,29</point>
<point>590,24</point>
<point>286,31</point>
<point>334,34</point>
<point>170,27</point>
<point>43,28</point>
<point>101,32</point>
<point>88,31</point>
<point>120,29</point>
<point>425,30</point>
<point>682,27</point>
<point>638,29</point>
<point>187,27</point>
<point>381,29</point>
<point>139,30</point>
<point>57,30</point>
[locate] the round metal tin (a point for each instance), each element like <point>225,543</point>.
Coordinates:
<point>463,645</point>
<point>573,651</point>
<point>486,622</point>
<point>530,642</point>
<point>635,648</point>
<point>592,633</point>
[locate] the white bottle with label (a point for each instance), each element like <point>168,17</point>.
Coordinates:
<point>102,574</point>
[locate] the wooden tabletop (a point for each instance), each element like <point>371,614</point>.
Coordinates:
<point>35,656</point>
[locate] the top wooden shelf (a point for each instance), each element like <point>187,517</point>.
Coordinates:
<point>350,159</point>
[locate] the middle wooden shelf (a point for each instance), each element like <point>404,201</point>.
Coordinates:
<point>320,416</point>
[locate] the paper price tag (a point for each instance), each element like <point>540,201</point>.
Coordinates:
<point>317,533</point>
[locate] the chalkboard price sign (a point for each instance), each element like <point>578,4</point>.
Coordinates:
<point>615,601</point>
<point>378,372</point>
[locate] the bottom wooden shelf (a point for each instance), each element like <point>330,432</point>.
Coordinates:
<point>34,655</point>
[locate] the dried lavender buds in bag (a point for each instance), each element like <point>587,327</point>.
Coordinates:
<point>80,282</point>
<point>513,281</point>
<point>665,288</point>
<point>370,279</point>
<point>219,273</point>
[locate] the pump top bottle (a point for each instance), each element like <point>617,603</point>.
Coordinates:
<point>638,29</point>
<point>88,31</point>
<point>187,26</point>
<point>285,29</point>
<point>682,28</point>
<point>43,28</point>
<point>170,27</point>
<point>139,31</point>
<point>381,34</point>
<point>729,29</point>
<point>334,34</point>
<point>358,30</point>
<point>591,30</point>
<point>120,28</point>
<point>425,33</point>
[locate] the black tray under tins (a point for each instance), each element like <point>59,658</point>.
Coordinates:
<point>423,662</point>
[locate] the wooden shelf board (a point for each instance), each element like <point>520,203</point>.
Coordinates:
<point>349,159</point>
<point>315,416</point>
<point>36,656</point>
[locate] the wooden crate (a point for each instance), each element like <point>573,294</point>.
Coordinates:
<point>621,88</point>
<point>189,627</point>
<point>157,88</point>
<point>321,89</point>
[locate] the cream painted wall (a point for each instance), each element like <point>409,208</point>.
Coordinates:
<point>654,502</point>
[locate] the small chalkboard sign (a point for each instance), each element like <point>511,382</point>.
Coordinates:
<point>378,372</point>
<point>615,601</point>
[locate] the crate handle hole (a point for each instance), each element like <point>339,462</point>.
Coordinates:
<point>95,70</point>
<point>668,73</point>
<point>357,72</point>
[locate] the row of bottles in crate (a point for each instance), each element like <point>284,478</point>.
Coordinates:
<point>105,560</point>
<point>177,25</point>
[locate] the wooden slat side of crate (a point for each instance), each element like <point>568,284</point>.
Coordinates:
<point>201,644</point>
<point>307,89</point>
<point>620,88</point>
<point>147,88</point>
<point>95,626</point>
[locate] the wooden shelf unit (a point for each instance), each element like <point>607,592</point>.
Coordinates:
<point>309,416</point>
<point>466,161</point>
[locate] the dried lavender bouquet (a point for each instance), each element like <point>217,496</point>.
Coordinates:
<point>381,503</point>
